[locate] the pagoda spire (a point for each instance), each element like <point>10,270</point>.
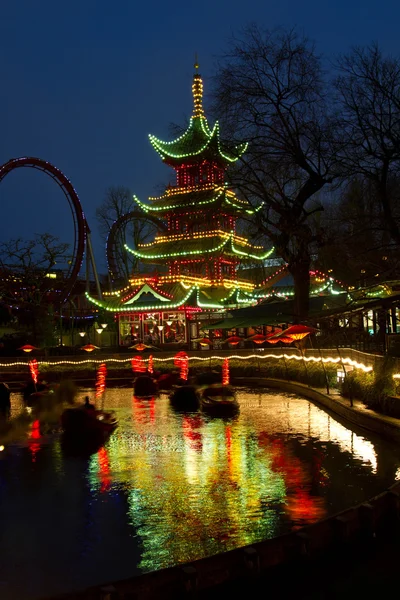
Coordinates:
<point>197,91</point>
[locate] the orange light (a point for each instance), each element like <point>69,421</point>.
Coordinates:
<point>298,332</point>
<point>90,347</point>
<point>233,340</point>
<point>28,348</point>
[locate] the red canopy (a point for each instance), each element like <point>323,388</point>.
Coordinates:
<point>298,332</point>
<point>90,347</point>
<point>139,346</point>
<point>258,338</point>
<point>28,348</point>
<point>279,337</point>
<point>234,339</point>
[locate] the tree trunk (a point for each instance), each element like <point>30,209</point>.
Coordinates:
<point>300,271</point>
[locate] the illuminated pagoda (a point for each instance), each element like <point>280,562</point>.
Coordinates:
<point>197,251</point>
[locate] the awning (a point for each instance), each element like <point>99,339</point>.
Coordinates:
<point>275,313</point>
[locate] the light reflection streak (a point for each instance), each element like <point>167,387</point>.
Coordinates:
<point>196,486</point>
<point>34,444</point>
<point>323,426</point>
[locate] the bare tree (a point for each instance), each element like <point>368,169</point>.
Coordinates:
<point>368,88</point>
<point>27,286</point>
<point>270,88</point>
<point>117,203</point>
<point>359,249</point>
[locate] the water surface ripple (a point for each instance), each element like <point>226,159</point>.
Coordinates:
<point>172,487</point>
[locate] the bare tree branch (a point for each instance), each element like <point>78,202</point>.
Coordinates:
<point>271,92</point>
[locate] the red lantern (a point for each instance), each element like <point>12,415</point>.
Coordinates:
<point>101,380</point>
<point>184,368</point>
<point>181,360</point>
<point>178,356</point>
<point>225,372</point>
<point>34,369</point>
<point>138,365</point>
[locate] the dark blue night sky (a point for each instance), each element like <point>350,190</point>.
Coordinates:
<point>84,82</point>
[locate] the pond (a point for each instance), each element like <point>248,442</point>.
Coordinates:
<point>171,487</point>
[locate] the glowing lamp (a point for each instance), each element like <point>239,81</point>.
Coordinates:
<point>160,327</point>
<point>342,371</point>
<point>169,323</point>
<point>99,330</point>
<point>82,333</point>
<point>104,325</point>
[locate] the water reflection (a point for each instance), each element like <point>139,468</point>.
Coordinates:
<point>172,487</point>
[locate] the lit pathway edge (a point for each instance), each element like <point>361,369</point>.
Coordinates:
<point>366,521</point>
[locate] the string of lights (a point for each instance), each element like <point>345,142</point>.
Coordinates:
<point>187,236</point>
<point>260,356</point>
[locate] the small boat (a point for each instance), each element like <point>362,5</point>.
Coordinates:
<point>86,431</point>
<point>144,387</point>
<point>219,400</point>
<point>32,392</point>
<point>185,397</point>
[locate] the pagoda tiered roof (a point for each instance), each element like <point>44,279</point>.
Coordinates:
<point>199,244</point>
<point>201,212</point>
<point>153,298</point>
<point>166,294</point>
<point>213,197</point>
<point>199,142</point>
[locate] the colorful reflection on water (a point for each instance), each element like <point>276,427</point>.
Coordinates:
<point>172,487</point>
